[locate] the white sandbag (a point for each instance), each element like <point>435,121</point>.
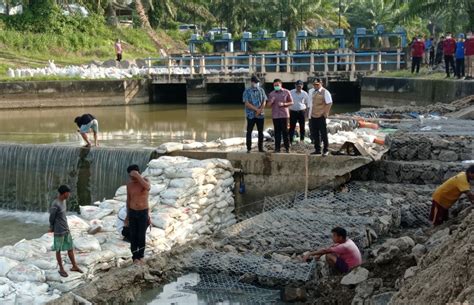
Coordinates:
<point>6,264</point>
<point>155,189</point>
<point>90,212</point>
<point>166,161</point>
<point>174,193</point>
<point>120,248</point>
<point>76,223</point>
<point>66,287</point>
<point>90,258</point>
<point>87,244</point>
<point>26,273</point>
<point>45,263</point>
<point>152,172</point>
<point>122,198</point>
<point>54,276</point>
<point>15,254</point>
<point>177,172</point>
<point>169,147</point>
<point>161,220</point>
<point>115,205</point>
<point>232,142</point>
<point>156,233</point>
<point>182,183</point>
<point>35,290</point>
<point>6,287</point>
<point>228,182</point>
<point>194,145</point>
<point>30,246</point>
<point>121,191</point>
<point>108,223</point>
<point>212,144</point>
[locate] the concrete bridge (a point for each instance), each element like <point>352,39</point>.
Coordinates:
<point>204,75</point>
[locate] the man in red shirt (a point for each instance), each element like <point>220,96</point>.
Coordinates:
<point>449,48</point>
<point>469,55</point>
<point>343,255</point>
<point>417,51</point>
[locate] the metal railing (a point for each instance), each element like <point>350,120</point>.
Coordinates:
<point>340,60</point>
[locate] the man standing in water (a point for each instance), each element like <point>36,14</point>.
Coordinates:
<point>280,99</point>
<point>254,99</point>
<point>58,225</point>
<point>86,122</point>
<point>138,217</point>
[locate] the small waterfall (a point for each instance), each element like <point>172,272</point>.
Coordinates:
<point>30,174</point>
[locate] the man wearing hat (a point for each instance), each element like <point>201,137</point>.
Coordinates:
<point>254,99</point>
<point>62,236</point>
<point>318,112</point>
<point>298,110</point>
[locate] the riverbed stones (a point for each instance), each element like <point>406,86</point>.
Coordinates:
<point>292,294</point>
<point>383,298</point>
<point>418,251</point>
<point>356,276</point>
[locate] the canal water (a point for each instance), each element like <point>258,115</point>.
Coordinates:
<point>131,126</point>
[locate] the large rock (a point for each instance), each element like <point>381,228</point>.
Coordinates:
<point>356,276</point>
<point>382,299</point>
<point>447,156</point>
<point>418,251</point>
<point>385,255</point>
<point>291,294</point>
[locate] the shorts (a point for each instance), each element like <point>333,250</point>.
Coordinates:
<point>341,265</point>
<point>63,243</point>
<point>438,214</point>
<point>94,125</point>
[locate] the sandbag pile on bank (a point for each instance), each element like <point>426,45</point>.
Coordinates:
<point>188,199</point>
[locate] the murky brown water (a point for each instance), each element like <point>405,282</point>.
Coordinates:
<point>132,126</point>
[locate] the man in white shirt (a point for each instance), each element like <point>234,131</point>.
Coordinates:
<point>318,112</point>
<point>301,101</point>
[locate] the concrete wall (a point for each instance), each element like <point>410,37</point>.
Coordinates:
<point>276,174</point>
<point>73,93</point>
<point>397,91</point>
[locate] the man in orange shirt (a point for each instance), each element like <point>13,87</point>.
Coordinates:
<point>448,193</point>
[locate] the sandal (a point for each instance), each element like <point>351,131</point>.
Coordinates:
<point>63,273</point>
<point>77,270</point>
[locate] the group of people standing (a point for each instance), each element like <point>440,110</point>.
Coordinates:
<point>458,55</point>
<point>295,106</point>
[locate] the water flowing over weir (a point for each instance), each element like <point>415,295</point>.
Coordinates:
<point>30,174</point>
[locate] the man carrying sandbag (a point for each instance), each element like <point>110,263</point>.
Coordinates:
<point>138,213</point>
<point>62,235</point>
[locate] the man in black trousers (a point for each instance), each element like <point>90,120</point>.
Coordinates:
<point>319,107</point>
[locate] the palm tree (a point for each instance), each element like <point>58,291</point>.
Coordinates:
<point>454,12</point>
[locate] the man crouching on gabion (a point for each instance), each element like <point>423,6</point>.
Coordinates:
<point>343,255</point>
<point>62,235</point>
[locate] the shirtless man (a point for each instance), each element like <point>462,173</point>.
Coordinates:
<point>138,214</point>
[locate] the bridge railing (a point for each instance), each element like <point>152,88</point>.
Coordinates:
<point>339,60</point>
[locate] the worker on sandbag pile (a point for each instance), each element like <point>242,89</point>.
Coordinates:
<point>448,193</point>
<point>138,212</point>
<point>87,122</point>
<point>343,255</point>
<point>62,235</point>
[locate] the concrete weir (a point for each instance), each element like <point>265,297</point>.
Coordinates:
<point>275,174</point>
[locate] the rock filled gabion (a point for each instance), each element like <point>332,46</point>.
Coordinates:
<point>188,199</point>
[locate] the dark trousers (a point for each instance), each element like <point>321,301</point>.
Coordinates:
<point>297,116</point>
<point>449,61</point>
<point>250,125</point>
<point>415,64</point>
<point>137,223</point>
<point>460,67</point>
<point>119,57</point>
<point>432,57</point>
<point>281,131</point>
<point>319,133</point>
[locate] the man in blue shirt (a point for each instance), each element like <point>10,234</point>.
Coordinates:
<point>428,47</point>
<point>460,56</point>
<point>254,99</point>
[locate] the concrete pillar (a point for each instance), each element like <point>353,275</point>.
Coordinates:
<point>263,70</point>
<point>372,62</point>
<point>226,65</point>
<point>311,63</point>
<point>353,66</point>
<point>398,59</point>
<point>277,69</point>
<point>250,64</point>
<point>222,67</point>
<point>202,65</point>
<point>191,66</point>
<point>326,61</point>
<point>169,64</point>
<point>379,62</point>
<point>288,63</point>
<point>347,60</point>
<point>336,53</point>
<point>196,91</point>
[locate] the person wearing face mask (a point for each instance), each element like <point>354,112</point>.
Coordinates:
<point>318,112</point>
<point>280,99</point>
<point>298,110</point>
<point>417,50</point>
<point>469,55</point>
<point>449,48</point>
<point>254,99</point>
<point>446,195</point>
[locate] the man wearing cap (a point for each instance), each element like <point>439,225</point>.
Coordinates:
<point>298,110</point>
<point>280,99</point>
<point>254,99</point>
<point>58,225</point>
<point>318,112</point>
